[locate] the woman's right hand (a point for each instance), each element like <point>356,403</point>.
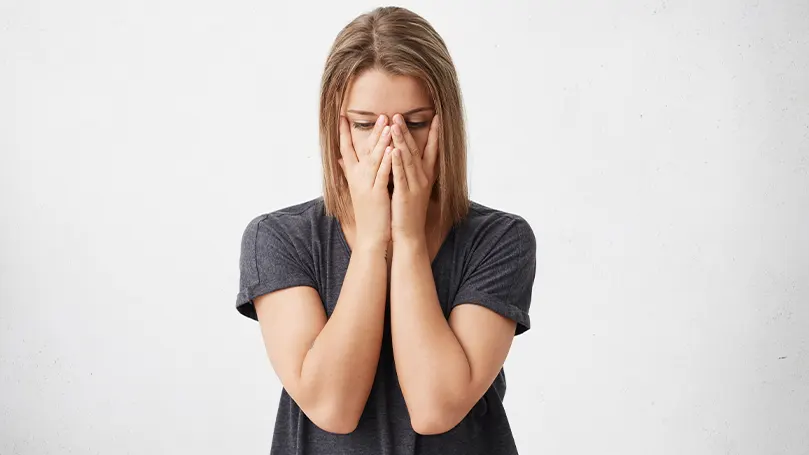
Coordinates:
<point>367,169</point>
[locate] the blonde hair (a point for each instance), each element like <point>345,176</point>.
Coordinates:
<point>399,42</point>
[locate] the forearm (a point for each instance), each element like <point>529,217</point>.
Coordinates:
<point>433,369</point>
<point>338,371</point>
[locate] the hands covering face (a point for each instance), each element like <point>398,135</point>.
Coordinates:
<point>413,179</point>
<point>380,215</point>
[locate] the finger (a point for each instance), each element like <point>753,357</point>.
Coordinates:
<point>399,178</point>
<point>346,146</point>
<point>408,137</point>
<point>412,166</point>
<point>379,149</point>
<point>398,138</point>
<point>383,174</point>
<point>376,133</point>
<point>431,149</point>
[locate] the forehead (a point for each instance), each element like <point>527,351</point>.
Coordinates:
<point>384,93</point>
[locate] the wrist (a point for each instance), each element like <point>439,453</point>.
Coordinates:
<point>372,248</point>
<point>412,243</point>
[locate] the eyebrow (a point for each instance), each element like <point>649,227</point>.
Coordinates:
<point>411,111</point>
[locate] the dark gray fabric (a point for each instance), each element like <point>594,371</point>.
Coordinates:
<point>488,259</point>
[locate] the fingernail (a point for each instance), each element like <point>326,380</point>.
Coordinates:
<point>380,119</point>
<point>386,130</point>
<point>387,150</point>
<point>398,119</point>
<point>397,130</point>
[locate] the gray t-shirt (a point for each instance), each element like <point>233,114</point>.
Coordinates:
<point>488,259</point>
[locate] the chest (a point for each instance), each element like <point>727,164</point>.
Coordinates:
<point>333,265</point>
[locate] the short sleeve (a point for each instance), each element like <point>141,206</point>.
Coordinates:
<point>501,271</point>
<point>268,262</point>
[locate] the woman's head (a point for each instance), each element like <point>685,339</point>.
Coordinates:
<point>391,61</point>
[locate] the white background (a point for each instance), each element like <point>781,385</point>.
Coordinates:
<point>659,149</point>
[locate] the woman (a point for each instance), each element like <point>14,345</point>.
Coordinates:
<point>388,305</point>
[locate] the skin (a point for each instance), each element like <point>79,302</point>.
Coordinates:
<point>328,366</point>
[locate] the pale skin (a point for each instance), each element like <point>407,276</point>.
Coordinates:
<point>327,365</point>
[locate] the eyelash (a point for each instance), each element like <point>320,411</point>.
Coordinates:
<point>410,126</point>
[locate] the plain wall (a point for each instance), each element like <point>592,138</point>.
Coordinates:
<point>660,150</point>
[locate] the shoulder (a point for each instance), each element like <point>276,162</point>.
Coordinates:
<point>292,221</point>
<point>490,227</point>
<point>276,252</point>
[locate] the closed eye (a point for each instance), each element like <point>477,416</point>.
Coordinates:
<point>410,125</point>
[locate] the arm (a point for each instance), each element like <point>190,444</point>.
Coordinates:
<point>328,367</point>
<point>444,367</point>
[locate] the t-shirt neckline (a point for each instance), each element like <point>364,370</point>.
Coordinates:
<point>444,243</point>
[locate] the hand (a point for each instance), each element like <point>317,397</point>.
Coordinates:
<point>367,170</point>
<point>413,179</point>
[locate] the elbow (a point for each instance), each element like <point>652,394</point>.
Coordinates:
<point>433,423</point>
<point>334,420</point>
<point>330,410</point>
<point>337,425</point>
<point>440,411</point>
<point>434,419</point>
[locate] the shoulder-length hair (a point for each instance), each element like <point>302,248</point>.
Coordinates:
<point>399,42</point>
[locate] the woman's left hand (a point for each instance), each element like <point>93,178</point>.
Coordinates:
<point>413,178</point>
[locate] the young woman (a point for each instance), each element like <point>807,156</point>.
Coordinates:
<point>388,305</point>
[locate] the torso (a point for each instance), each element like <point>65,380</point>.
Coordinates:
<point>436,232</point>
<point>384,428</point>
